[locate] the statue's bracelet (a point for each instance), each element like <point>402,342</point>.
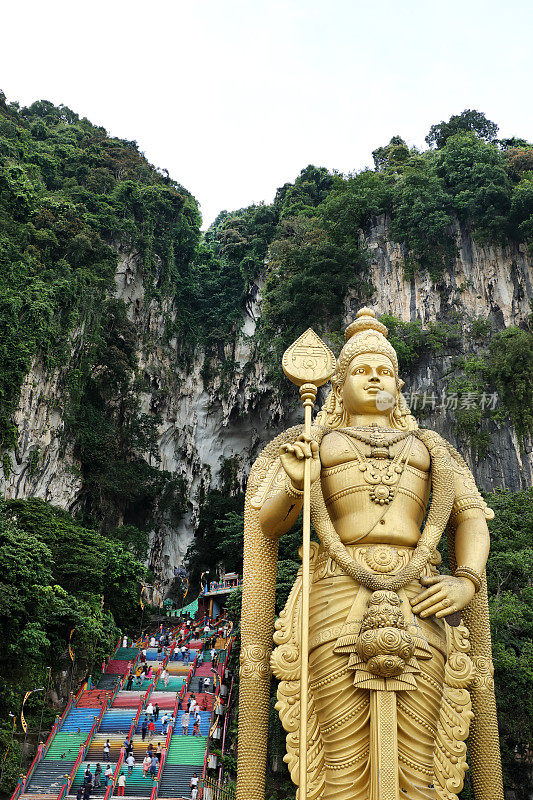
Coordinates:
<point>292,491</point>
<point>471,574</point>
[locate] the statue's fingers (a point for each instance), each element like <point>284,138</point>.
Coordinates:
<point>314,449</point>
<point>298,451</point>
<point>430,601</point>
<point>429,580</point>
<point>446,611</point>
<point>425,594</point>
<point>286,448</point>
<point>434,608</point>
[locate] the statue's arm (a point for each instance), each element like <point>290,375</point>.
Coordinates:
<point>472,540</point>
<point>446,594</point>
<point>279,513</point>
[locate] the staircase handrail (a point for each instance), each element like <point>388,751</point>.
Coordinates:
<point>169,654</point>
<point>85,746</point>
<point>149,691</point>
<point>136,718</point>
<point>39,755</point>
<point>109,790</point>
<point>72,774</point>
<point>206,756</point>
<point>212,725</point>
<point>227,716</point>
<point>224,731</point>
<point>120,685</point>
<point>80,691</point>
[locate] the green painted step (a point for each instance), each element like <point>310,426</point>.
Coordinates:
<point>125,654</point>
<point>66,745</point>
<point>174,684</point>
<point>187,750</point>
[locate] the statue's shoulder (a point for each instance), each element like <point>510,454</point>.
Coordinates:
<point>335,448</point>
<point>467,495</point>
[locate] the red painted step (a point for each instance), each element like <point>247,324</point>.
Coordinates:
<point>118,667</point>
<point>165,700</point>
<point>199,699</point>
<point>127,699</point>
<point>93,698</point>
<point>204,670</point>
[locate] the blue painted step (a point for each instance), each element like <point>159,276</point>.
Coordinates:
<point>117,720</point>
<point>80,719</point>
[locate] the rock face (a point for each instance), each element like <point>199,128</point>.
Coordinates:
<point>205,421</point>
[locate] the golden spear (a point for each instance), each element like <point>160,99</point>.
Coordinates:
<point>308,363</point>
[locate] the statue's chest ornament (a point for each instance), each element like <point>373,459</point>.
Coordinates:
<point>380,469</point>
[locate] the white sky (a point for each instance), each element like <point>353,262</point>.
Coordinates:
<point>234,98</point>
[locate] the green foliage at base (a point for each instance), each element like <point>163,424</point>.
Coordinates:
<point>509,571</point>
<point>58,576</point>
<point>509,367</point>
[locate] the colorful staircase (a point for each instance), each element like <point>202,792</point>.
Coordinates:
<point>108,712</point>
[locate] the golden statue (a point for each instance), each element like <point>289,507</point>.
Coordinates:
<point>399,656</point>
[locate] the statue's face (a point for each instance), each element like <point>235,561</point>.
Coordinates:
<point>370,385</point>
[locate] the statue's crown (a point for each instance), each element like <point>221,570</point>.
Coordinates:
<point>366,334</point>
<point>365,321</point>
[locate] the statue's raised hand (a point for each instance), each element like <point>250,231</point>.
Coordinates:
<point>293,458</point>
<point>445,595</point>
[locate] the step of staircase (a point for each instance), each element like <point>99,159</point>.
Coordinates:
<point>65,746</point>
<point>117,720</point>
<point>176,778</point>
<point>175,682</point>
<point>127,699</point>
<point>116,667</point>
<point>49,776</point>
<point>126,654</point>
<point>80,719</point>
<point>200,699</point>
<point>93,698</point>
<point>108,681</point>
<point>186,750</point>
<point>136,784</point>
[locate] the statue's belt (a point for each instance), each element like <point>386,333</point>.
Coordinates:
<point>382,559</point>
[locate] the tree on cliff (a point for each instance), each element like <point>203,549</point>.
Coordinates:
<point>469,120</point>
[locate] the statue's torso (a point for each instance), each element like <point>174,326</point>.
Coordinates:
<point>353,483</point>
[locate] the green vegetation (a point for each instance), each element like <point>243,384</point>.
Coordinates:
<point>70,196</point>
<point>58,577</point>
<point>501,367</point>
<point>509,572</point>
<point>467,122</point>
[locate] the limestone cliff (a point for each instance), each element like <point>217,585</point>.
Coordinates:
<point>205,420</point>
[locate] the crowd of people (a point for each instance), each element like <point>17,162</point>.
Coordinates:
<point>164,643</point>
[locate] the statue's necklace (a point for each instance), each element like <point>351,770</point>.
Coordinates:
<point>380,470</point>
<point>376,437</point>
